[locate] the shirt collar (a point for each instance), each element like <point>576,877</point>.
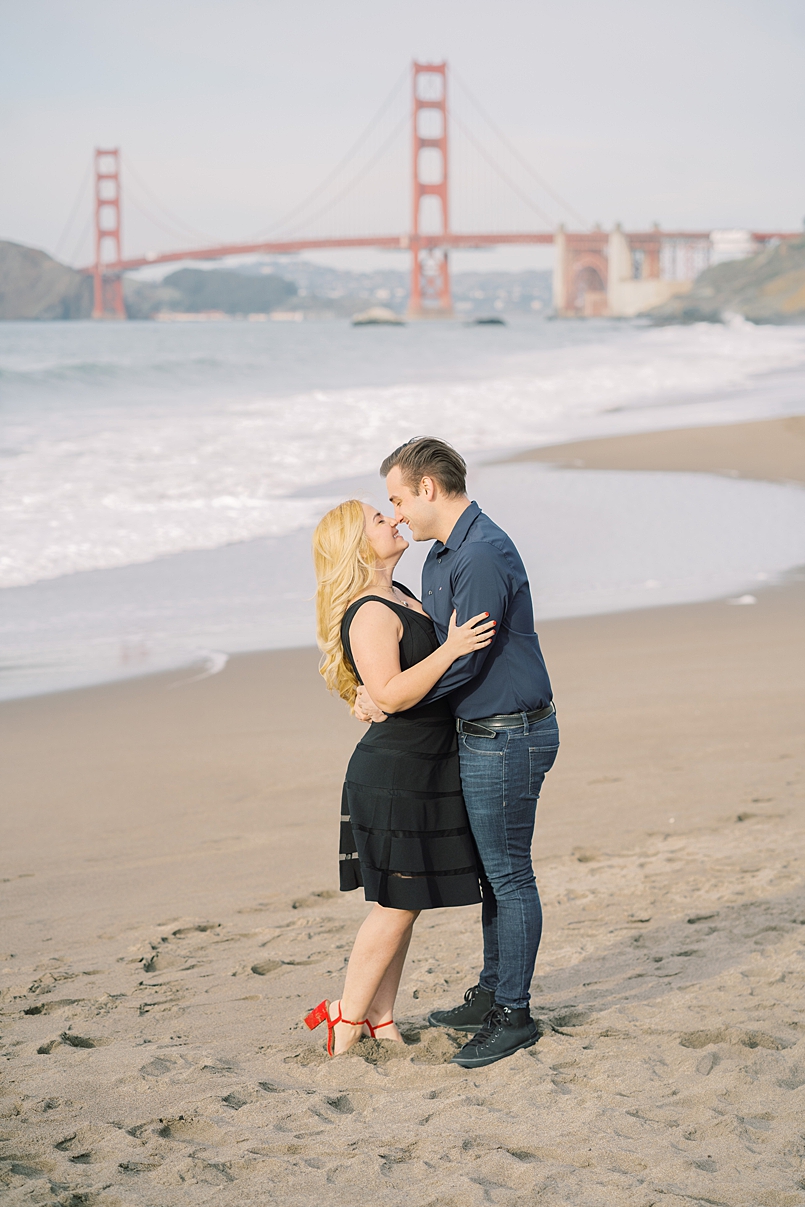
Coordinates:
<point>462,526</point>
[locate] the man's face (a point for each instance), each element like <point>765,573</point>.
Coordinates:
<point>415,510</point>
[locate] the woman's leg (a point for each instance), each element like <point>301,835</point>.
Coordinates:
<point>383,937</point>
<point>381,1011</point>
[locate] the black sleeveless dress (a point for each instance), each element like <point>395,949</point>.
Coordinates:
<point>405,836</point>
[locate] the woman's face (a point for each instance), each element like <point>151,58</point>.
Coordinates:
<point>381,531</point>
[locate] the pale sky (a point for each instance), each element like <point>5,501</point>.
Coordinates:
<point>686,112</point>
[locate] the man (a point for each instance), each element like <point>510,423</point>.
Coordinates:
<point>508,734</point>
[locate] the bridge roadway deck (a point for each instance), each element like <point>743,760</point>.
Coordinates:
<point>455,242</point>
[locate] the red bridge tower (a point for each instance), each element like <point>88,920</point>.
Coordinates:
<point>108,287</point>
<point>430,277</point>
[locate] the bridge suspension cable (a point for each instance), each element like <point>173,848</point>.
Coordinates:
<point>74,212</point>
<point>364,171</point>
<point>544,184</point>
<point>500,171</point>
<point>83,238</point>
<point>178,224</point>
<point>280,223</point>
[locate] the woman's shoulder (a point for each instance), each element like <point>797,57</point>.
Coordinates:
<point>370,619</point>
<point>371,608</point>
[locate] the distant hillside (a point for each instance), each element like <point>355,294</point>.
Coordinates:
<point>35,286</point>
<point>766,288</point>
<point>198,289</point>
<point>342,291</point>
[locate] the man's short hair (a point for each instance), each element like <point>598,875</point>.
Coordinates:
<point>429,457</point>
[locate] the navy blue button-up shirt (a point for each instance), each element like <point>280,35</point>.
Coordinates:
<point>478,569</point>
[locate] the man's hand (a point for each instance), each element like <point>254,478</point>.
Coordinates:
<point>365,707</point>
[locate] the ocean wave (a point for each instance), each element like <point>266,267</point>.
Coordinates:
<point>92,373</point>
<point>136,482</point>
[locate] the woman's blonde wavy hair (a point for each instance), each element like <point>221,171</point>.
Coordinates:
<point>345,566</point>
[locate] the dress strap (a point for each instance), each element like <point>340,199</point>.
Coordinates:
<point>406,591</point>
<point>353,607</point>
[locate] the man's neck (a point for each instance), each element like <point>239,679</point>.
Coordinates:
<point>449,514</point>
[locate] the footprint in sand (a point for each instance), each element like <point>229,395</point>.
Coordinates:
<point>209,1173</point>
<point>22,1166</point>
<point>200,928</point>
<point>570,1018</point>
<point>82,1041</point>
<point>747,1039</point>
<point>436,1048</point>
<point>162,961</point>
<point>139,1166</point>
<point>707,1063</point>
<point>190,1130</point>
<point>51,1007</point>
<point>794,1080</point>
<point>68,1039</point>
<point>164,954</point>
<point>48,980</point>
<point>308,1056</point>
<point>313,899</point>
<point>158,1067</point>
<point>49,1046</point>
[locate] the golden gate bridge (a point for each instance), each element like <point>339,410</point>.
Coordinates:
<point>595,272</point>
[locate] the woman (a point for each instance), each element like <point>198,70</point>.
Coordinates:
<point>404,831</point>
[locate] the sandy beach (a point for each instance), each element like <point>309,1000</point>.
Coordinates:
<point>170,906</point>
<point>772,450</point>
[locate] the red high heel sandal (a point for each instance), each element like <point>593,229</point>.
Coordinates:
<point>321,1014</point>
<point>372,1029</point>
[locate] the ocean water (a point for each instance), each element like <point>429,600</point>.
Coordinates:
<point>159,484</point>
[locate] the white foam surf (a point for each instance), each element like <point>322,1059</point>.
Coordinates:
<point>91,487</point>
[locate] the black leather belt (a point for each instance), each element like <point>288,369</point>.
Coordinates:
<point>486,726</point>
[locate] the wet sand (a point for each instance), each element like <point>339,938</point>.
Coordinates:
<point>772,450</point>
<point>170,910</point>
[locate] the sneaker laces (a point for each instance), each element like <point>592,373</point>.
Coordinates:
<point>494,1018</point>
<point>469,998</point>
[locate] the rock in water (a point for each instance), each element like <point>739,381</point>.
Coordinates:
<point>377,315</point>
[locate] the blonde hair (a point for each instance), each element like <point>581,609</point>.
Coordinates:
<point>345,566</point>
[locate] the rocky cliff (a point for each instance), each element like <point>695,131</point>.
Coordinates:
<point>766,288</point>
<point>35,286</point>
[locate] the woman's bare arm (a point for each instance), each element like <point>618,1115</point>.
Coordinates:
<point>374,636</point>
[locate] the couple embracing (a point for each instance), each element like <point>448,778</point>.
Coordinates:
<point>440,798</point>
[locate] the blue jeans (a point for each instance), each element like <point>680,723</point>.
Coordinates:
<point>501,776</point>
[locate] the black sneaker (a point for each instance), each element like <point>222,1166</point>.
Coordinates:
<point>470,1015</point>
<point>505,1031</point>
